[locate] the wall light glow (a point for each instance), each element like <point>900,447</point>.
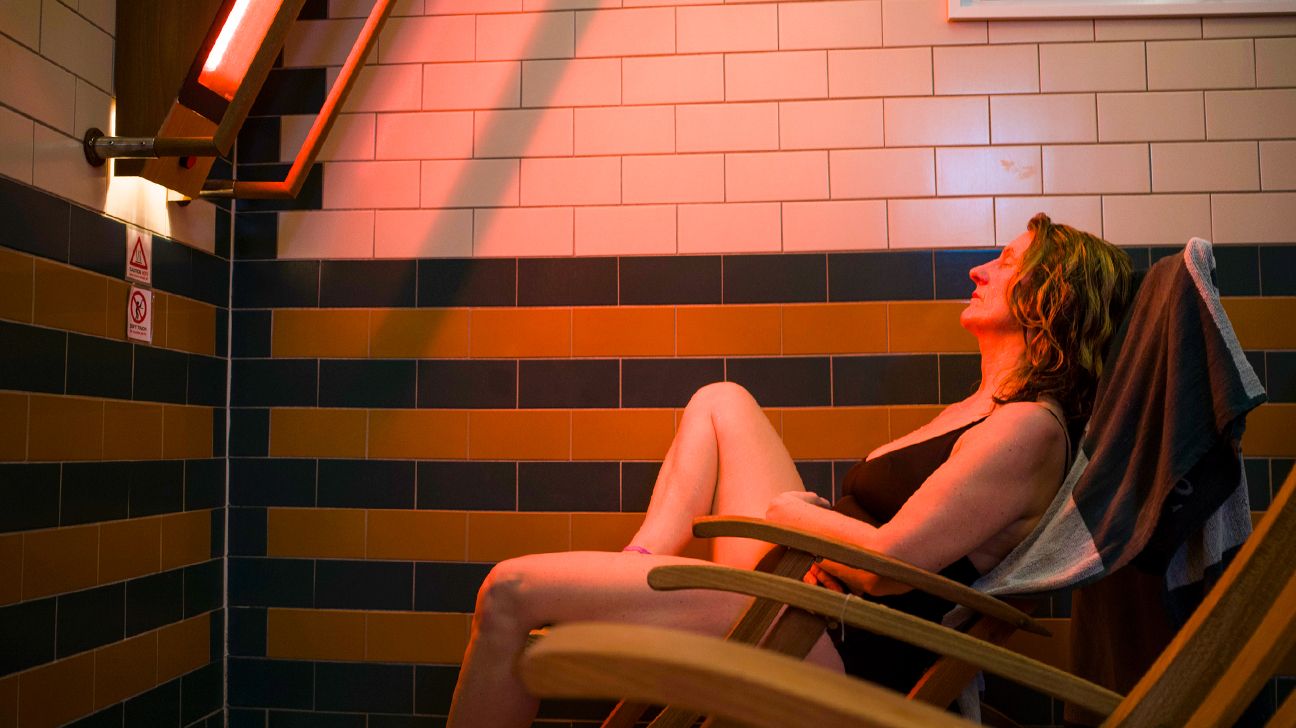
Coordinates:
<point>134,199</point>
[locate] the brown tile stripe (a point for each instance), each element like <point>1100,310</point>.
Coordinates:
<point>9,702</point>
<point>421,637</point>
<point>1269,431</point>
<point>59,560</point>
<point>52,427</point>
<point>1264,323</point>
<point>355,636</point>
<point>623,331</point>
<point>350,533</point>
<point>55,295</point>
<point>62,691</point>
<point>11,546</point>
<point>626,434</point>
<point>661,331</point>
<point>17,276</point>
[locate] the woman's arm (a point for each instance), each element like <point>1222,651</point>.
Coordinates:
<point>998,474</point>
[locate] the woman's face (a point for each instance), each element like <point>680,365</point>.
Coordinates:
<point>988,310</point>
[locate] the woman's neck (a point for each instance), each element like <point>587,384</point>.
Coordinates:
<point>1000,355</point>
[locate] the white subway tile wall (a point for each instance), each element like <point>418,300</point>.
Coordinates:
<point>350,139</point>
<point>625,230</point>
<point>20,20</point>
<point>1147,28</point>
<point>652,127</point>
<point>1278,165</point>
<point>327,234</point>
<point>18,148</point>
<point>1201,64</point>
<point>727,127</point>
<point>1155,116</point>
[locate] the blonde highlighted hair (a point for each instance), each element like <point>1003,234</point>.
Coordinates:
<point>1069,296</point>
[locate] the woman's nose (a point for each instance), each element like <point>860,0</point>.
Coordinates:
<point>977,274</point>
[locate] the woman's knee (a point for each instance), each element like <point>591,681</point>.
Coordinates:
<point>723,396</point>
<point>501,601</point>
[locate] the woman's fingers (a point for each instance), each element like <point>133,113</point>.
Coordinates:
<point>818,576</point>
<point>813,499</point>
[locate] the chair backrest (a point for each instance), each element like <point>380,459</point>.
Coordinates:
<point>1234,641</point>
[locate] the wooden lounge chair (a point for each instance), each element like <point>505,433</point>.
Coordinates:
<point>1207,676</point>
<point>809,610</point>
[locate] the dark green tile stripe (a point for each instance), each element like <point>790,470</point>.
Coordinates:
<point>40,631</point>
<point>802,381</point>
<point>44,225</point>
<point>51,361</point>
<point>47,495</point>
<point>1243,270</point>
<point>424,586</point>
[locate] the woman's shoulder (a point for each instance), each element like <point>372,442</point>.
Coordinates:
<point>1032,428</point>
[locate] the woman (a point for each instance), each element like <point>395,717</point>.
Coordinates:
<point>954,496</point>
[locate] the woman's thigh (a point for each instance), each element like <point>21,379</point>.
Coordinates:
<point>754,466</point>
<point>547,589</point>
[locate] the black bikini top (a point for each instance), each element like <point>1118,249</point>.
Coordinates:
<point>874,490</point>
<point>880,486</point>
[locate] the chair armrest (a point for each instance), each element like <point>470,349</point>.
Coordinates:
<point>891,623</point>
<point>862,558</point>
<point>704,674</point>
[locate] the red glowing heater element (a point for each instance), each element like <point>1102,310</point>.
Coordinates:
<point>237,44</point>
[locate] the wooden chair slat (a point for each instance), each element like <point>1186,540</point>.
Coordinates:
<point>654,665</point>
<point>891,623</point>
<point>860,558</point>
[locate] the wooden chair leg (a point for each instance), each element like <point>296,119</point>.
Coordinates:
<point>945,679</point>
<point>625,715</point>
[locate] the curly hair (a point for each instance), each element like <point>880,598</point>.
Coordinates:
<point>1069,296</point>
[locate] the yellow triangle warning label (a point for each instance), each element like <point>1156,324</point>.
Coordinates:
<point>139,258</point>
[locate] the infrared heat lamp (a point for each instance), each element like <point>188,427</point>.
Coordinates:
<point>232,45</point>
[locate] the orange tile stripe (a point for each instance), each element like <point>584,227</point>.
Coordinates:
<point>810,433</point>
<point>356,636</point>
<point>922,327</point>
<point>1269,431</point>
<point>525,434</point>
<point>56,295</point>
<point>60,560</point>
<point>54,427</point>
<point>62,691</point>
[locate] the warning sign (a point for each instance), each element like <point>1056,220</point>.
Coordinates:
<point>139,255</point>
<point>139,315</point>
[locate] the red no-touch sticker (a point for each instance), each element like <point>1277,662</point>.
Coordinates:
<point>139,315</point>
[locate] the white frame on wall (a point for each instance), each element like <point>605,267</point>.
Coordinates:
<point>1043,9</point>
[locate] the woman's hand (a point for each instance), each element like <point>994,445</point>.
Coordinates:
<point>819,576</point>
<point>790,507</point>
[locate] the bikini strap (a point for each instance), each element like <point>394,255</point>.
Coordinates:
<point>1066,465</point>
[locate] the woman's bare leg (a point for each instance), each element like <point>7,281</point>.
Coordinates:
<point>726,459</point>
<point>532,591</point>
